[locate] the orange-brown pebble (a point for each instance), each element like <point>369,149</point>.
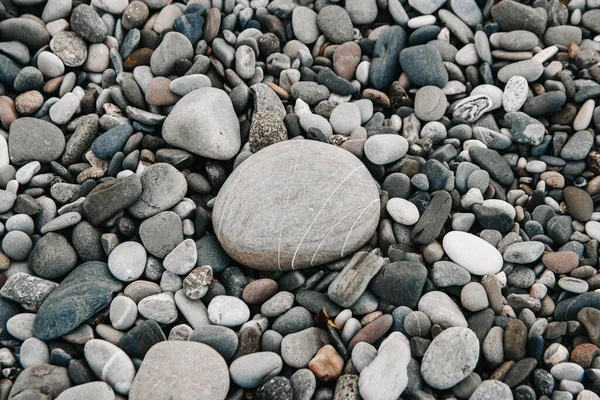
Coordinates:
<point>370,317</point>
<point>372,332</point>
<point>259,291</point>
<point>138,57</point>
<point>53,84</point>
<point>377,97</point>
<point>553,179</point>
<point>500,373</point>
<point>280,92</point>
<point>584,354</point>
<point>159,92</point>
<point>327,364</point>
<point>593,186</point>
<point>7,111</point>
<point>29,102</point>
<point>561,262</point>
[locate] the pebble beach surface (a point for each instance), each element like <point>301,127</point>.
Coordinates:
<point>299,199</point>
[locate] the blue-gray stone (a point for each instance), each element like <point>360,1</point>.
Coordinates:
<point>8,309</point>
<point>88,289</point>
<point>384,66</point>
<point>211,253</point>
<point>8,70</point>
<point>111,141</point>
<point>190,25</point>
<point>220,338</point>
<point>566,310</point>
<point>424,66</point>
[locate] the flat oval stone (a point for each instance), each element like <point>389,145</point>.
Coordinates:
<point>441,310</point>
<point>32,139</point>
<point>386,148</point>
<point>85,291</point>
<point>252,370</point>
<point>95,390</point>
<point>171,369</point>
<point>204,123</point>
<point>472,253</point>
<point>324,207</point>
<point>450,358</point>
<point>110,364</point>
<point>228,311</point>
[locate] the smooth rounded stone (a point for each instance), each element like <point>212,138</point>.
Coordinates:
<point>293,320</point>
<point>402,211</point>
<point>493,163</point>
<point>304,24</point>
<point>127,261</point>
<point>346,59</point>
<point>20,326</point>
<point>473,297</point>
<point>386,377</point>
<point>524,252</point>
<point>334,22</point>
<point>186,84</point>
<point>95,390</point>
<point>297,349</point>
<point>517,16</point>
<point>424,66</point>
<point>170,368</point>
<point>25,30</point>
<point>468,251</point>
<point>32,139</point>
<point>531,70</point>
<point>447,273</point>
<point>579,202</point>
<point>277,305</point>
<point>245,62</point>
<point>400,283</point>
<point>385,149</point>
<point>182,259</point>
<point>567,371</point>
<point>308,121</point>
<point>7,200</point>
<point>43,381</point>
<point>161,233</point>
<point>123,312</point>
<point>194,311</point>
<point>450,358</point>
<point>362,355</point>
<point>34,352</point>
<point>303,240</point>
<point>163,186</point>
<point>63,110</point>
<point>515,93</point>
<point>384,66</point>
<point>174,46</point>
<point>111,141</point>
<point>159,307</point>
<point>252,370</point>
<point>228,311</point>
<point>85,291</point>
<point>468,11</point>
<point>441,310</point>
<point>577,147</point>
<point>110,198</point>
<point>50,65</point>
<point>345,118</point>
<point>492,389</point>
<point>518,40</point>
<point>589,20</point>
<point>430,103</point>
<point>110,364</point>
<point>220,338</point>
<point>88,24</point>
<point>525,129</point>
<point>259,291</point>
<point>561,262</point>
<point>204,123</point>
<point>573,285</point>
<point>303,384</point>
<point>52,256</point>
<point>362,12</point>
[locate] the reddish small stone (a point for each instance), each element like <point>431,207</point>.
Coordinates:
<point>7,111</point>
<point>372,332</point>
<point>327,364</point>
<point>345,60</point>
<point>561,262</point>
<point>159,92</point>
<point>138,57</point>
<point>53,84</point>
<point>259,291</point>
<point>584,354</point>
<point>29,102</point>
